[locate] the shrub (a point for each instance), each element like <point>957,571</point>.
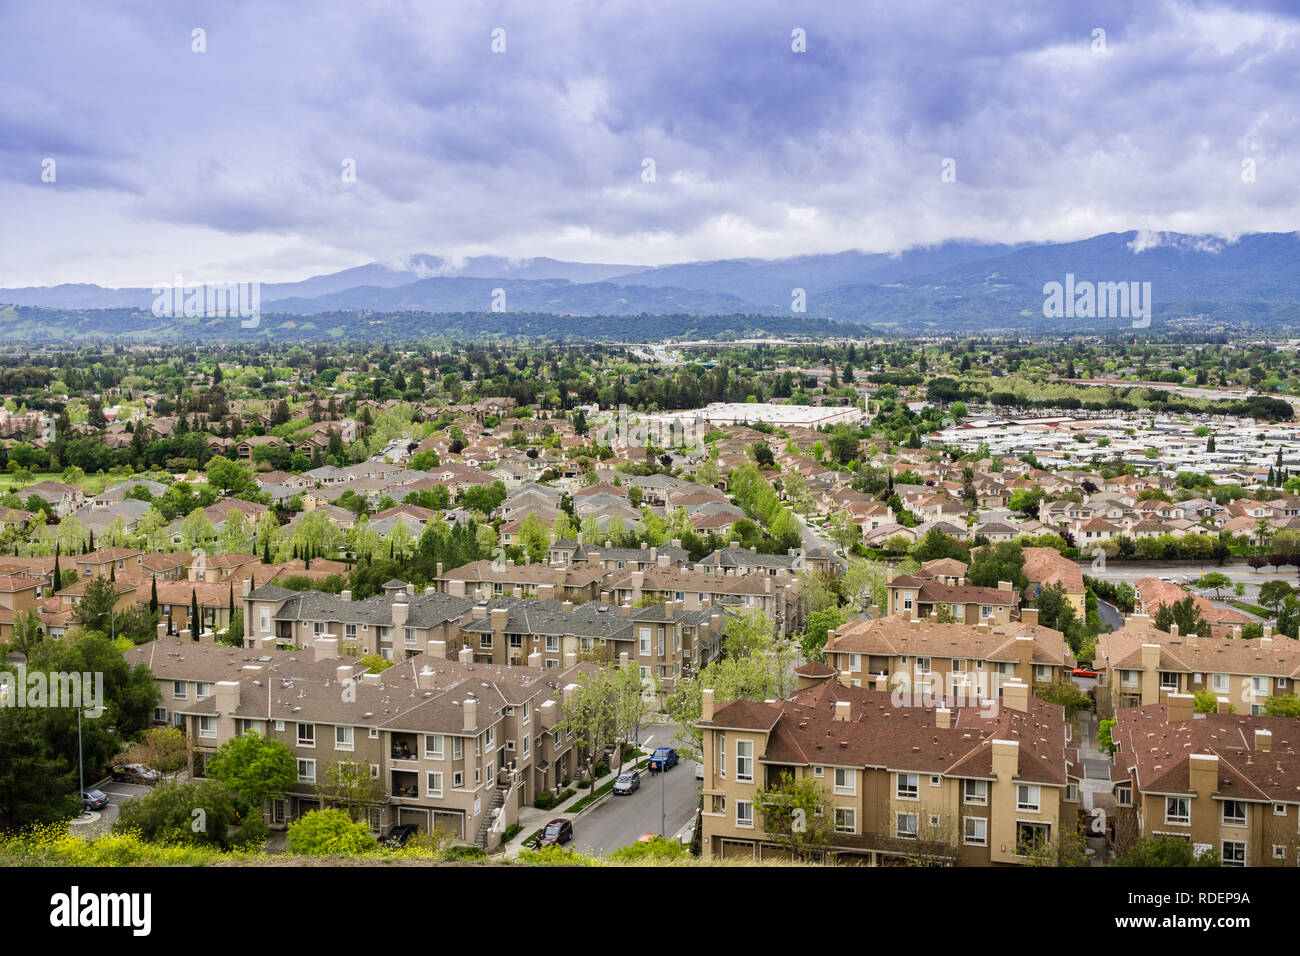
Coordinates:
<point>512,831</point>
<point>330,833</point>
<point>544,801</point>
<point>602,770</point>
<point>462,853</point>
<point>654,850</point>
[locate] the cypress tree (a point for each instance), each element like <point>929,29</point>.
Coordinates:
<point>194,614</point>
<point>58,576</point>
<point>153,596</point>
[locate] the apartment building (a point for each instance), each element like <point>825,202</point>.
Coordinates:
<point>488,579</point>
<point>1226,782</point>
<point>939,784</point>
<point>1139,665</point>
<point>777,595</point>
<point>395,624</point>
<point>451,746</point>
<point>921,596</point>
<point>927,655</point>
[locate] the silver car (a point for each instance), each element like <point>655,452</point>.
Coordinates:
<point>627,782</point>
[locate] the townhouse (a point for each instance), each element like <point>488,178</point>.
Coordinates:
<point>1224,782</point>
<point>1139,665</point>
<point>940,658</point>
<point>777,596</point>
<point>938,784</point>
<point>921,596</point>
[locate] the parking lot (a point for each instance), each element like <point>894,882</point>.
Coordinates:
<point>102,822</point>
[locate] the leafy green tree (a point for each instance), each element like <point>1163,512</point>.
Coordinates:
<point>37,784</point>
<point>1065,692</point>
<point>330,833</point>
<point>347,784</point>
<point>1167,851</point>
<point>658,850</point>
<point>817,630</point>
<point>194,812</point>
<point>256,767</point>
<point>1004,561</point>
<point>1284,705</point>
<point>796,814</point>
<point>1104,739</point>
<point>935,544</point>
<point>1217,581</point>
<point>95,609</point>
<point>1273,593</point>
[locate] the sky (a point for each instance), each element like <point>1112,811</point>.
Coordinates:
<point>898,125</point>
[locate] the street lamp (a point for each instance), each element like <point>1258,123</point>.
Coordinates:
<point>663,789</point>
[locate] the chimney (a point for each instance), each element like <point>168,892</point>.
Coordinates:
<point>466,655</point>
<point>549,713</point>
<point>1203,774</point>
<point>624,659</point>
<point>1029,615</point>
<point>326,648</point>
<point>1266,642</point>
<point>400,611</point>
<point>246,586</point>
<point>439,569</point>
<point>1006,586</point>
<point>846,678</point>
<point>1006,759</point>
<point>343,672</point>
<point>470,709</point>
<point>1015,695</point>
<point>1223,705</point>
<point>842,710</point>
<point>1179,708</point>
<point>942,718</point>
<point>1268,630</point>
<point>1173,630</point>
<point>706,704</point>
<point>500,616</point>
<point>226,693</point>
<point>882,682</point>
<point>346,595</point>
<point>535,659</point>
<point>567,607</point>
<point>1236,632</point>
<point>1263,739</point>
<point>425,677</point>
<point>593,558</point>
<point>1024,650</point>
<point>570,659</point>
<point>437,649</point>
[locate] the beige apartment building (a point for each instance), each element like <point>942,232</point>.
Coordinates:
<point>921,596</point>
<point>936,784</point>
<point>453,746</point>
<point>1139,665</point>
<point>1226,782</point>
<point>941,658</point>
<point>776,595</point>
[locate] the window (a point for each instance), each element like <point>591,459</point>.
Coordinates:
<point>1123,797</point>
<point>1032,837</point>
<point>846,781</point>
<point>408,635</point>
<point>433,744</point>
<point>202,690</point>
<point>645,640</point>
<point>373,733</point>
<point>524,718</point>
<point>1234,853</point>
<point>975,792</point>
<point>306,770</point>
<point>908,786</point>
<point>923,665</point>
<point>552,643</point>
<point>905,826</point>
<point>179,690</point>
<point>528,743</point>
<point>207,726</point>
<point>975,831</point>
<point>846,820</point>
<point>1279,809</point>
<point>306,735</point>
<point>986,611</point>
<point>1043,673</point>
<point>935,780</point>
<point>1234,813</point>
<point>160,714</point>
<point>722,755</point>
<point>1072,792</point>
<point>1168,681</point>
<point>1176,810</point>
<point>1128,678</point>
<point>343,738</point>
<point>517,641</point>
<point>457,748</point>
<point>745,761</point>
<point>433,784</point>
<point>374,771</point>
<point>744,813</point>
<point>1027,797</point>
<point>458,779</point>
<point>1279,851</point>
<point>855,662</point>
<point>907,600</point>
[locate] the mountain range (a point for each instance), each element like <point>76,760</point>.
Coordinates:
<point>955,286</point>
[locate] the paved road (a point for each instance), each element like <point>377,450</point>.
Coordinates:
<point>118,793</point>
<point>1236,572</point>
<point>618,821</point>
<point>1110,616</point>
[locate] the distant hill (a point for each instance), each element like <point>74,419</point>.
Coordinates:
<point>955,286</point>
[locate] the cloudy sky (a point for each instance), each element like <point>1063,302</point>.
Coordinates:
<point>229,164</point>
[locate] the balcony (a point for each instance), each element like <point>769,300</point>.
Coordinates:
<point>405,747</point>
<point>406,785</point>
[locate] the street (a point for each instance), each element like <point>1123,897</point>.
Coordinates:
<point>618,821</point>
<point>1116,571</point>
<point>102,820</point>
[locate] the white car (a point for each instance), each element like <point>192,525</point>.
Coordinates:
<point>699,770</point>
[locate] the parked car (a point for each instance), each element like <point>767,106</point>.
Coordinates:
<point>398,835</point>
<point>1084,670</point>
<point>556,833</point>
<point>627,782</point>
<point>665,758</point>
<point>135,773</point>
<point>93,799</point>
<point>699,770</point>
<point>647,838</point>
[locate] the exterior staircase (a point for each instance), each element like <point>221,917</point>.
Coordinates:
<point>495,804</point>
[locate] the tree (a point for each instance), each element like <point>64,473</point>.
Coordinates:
<point>330,833</point>
<point>95,611</point>
<point>347,784</point>
<point>935,544</point>
<point>762,676</point>
<point>796,814</point>
<point>1273,593</point>
<point>37,785</point>
<point>818,629</point>
<point>1167,851</point>
<point>194,812</point>
<point>163,748</point>
<point>229,476</point>
<point>1065,692</point>
<point>589,716</point>
<point>1217,581</point>
<point>1185,614</point>
<point>28,632</point>
<point>1004,561</point>
<point>1104,738</point>
<point>658,850</point>
<point>1284,705</point>
<point>864,584</point>
<point>256,767</point>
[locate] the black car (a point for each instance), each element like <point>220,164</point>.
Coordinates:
<point>93,799</point>
<point>397,836</point>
